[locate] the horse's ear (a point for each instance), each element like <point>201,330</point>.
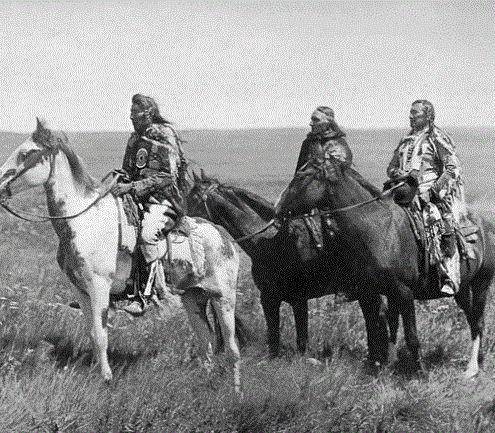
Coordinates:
<point>42,135</point>
<point>195,177</point>
<point>203,175</point>
<point>40,124</point>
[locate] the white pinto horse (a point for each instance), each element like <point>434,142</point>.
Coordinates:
<point>88,222</point>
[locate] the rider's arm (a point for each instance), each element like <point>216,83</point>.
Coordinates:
<point>446,153</point>
<point>151,183</point>
<point>393,169</point>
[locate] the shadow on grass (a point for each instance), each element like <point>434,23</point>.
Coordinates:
<point>408,368</point>
<point>66,354</point>
<point>25,355</point>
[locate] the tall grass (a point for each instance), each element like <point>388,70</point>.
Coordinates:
<point>48,382</point>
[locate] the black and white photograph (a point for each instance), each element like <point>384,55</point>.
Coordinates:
<point>247,216</point>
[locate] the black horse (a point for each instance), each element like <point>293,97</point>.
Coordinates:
<point>381,237</point>
<point>286,263</point>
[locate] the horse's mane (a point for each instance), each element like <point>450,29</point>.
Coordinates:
<point>366,184</point>
<point>58,140</point>
<point>237,196</point>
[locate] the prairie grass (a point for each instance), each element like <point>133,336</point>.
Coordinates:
<point>48,382</point>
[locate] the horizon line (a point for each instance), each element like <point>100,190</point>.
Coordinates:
<point>379,128</point>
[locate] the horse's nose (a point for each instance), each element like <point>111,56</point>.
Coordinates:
<point>5,177</point>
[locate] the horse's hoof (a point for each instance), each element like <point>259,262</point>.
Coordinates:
<point>314,361</point>
<point>107,377</point>
<point>373,367</point>
<point>470,375</point>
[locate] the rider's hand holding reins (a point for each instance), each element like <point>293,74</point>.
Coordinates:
<point>121,188</point>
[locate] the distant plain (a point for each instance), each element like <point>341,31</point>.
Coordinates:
<point>265,158</point>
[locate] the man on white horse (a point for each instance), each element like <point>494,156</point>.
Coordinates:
<point>155,167</point>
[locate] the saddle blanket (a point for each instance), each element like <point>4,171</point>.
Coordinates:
<point>429,235</point>
<point>184,245</point>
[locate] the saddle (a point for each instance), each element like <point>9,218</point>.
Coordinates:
<point>429,237</point>
<point>310,230</point>
<point>182,252</point>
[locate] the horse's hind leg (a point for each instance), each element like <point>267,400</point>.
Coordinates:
<point>195,303</point>
<point>392,319</point>
<point>474,309</point>
<point>220,344</point>
<point>225,308</point>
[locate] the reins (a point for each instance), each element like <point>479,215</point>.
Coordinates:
<point>46,218</point>
<point>371,200</point>
<point>272,222</point>
<point>356,205</point>
<point>204,197</point>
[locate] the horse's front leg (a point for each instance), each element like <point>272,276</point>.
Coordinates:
<point>94,297</point>
<point>376,330</point>
<point>271,302</point>
<point>300,309</point>
<point>100,298</point>
<point>405,302</point>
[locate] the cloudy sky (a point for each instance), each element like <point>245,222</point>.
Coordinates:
<point>227,64</point>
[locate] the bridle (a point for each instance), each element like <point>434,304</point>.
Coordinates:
<point>49,151</point>
<point>326,211</point>
<point>204,199</point>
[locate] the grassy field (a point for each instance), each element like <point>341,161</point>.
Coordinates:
<point>48,384</point>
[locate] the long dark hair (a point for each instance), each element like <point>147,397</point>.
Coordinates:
<point>148,103</point>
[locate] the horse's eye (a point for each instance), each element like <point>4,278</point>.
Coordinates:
<point>24,155</point>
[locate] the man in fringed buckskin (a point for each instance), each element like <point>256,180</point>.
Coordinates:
<point>428,155</point>
<point>155,166</point>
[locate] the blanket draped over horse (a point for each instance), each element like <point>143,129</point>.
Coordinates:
<point>96,243</point>
<point>387,255</point>
<point>292,263</point>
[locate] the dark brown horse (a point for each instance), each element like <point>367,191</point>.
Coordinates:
<point>285,266</point>
<point>383,243</point>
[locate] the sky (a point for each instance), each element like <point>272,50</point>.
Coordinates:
<point>228,64</point>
